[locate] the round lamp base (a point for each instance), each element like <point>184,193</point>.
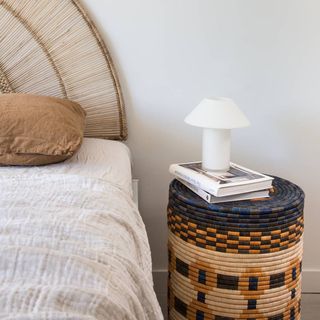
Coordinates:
<point>216,149</point>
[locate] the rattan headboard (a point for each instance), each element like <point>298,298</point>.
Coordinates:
<point>51,47</point>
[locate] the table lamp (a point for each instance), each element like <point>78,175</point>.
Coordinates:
<point>216,116</point>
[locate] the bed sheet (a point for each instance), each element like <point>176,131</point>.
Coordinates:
<point>97,158</point>
<point>72,242</point>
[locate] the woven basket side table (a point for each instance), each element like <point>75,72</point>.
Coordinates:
<point>236,260</point>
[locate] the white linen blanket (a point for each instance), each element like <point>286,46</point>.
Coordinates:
<point>72,247</point>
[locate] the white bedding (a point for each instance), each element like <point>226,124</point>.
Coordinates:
<point>97,158</point>
<point>72,243</point>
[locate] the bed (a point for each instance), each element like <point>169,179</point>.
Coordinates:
<point>72,242</point>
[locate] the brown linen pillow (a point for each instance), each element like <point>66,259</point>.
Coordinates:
<point>37,130</point>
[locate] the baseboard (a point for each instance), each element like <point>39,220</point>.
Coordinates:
<point>160,278</point>
<point>310,283</point>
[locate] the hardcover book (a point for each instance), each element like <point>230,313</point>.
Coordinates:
<point>237,197</point>
<point>236,180</point>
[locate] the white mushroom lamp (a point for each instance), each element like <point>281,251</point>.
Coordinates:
<point>216,116</point>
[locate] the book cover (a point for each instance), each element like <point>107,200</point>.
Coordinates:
<point>236,180</point>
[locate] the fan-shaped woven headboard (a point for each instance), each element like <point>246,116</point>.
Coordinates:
<point>51,47</point>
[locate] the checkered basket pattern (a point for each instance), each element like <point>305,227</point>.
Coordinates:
<point>235,260</point>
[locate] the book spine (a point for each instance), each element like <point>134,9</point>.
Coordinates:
<point>193,178</point>
<point>201,193</point>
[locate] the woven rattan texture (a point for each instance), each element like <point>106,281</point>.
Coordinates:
<point>53,48</point>
<point>4,84</point>
<point>239,260</point>
<point>238,227</point>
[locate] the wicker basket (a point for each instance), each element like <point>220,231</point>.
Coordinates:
<point>237,260</point>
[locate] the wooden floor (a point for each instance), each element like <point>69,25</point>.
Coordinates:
<point>310,306</point>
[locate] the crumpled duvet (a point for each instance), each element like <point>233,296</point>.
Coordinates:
<point>72,247</point>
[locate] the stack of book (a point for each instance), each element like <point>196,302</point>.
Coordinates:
<point>236,184</point>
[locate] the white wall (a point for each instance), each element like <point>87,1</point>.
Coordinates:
<point>264,54</point>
